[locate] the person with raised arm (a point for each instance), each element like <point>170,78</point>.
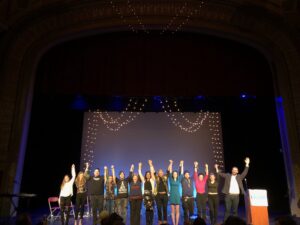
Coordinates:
<point>149,183</point>
<point>161,190</point>
<point>136,196</point>
<point>66,192</point>
<point>109,193</point>
<point>187,185</point>
<point>175,180</point>
<point>200,183</point>
<point>213,196</point>
<point>81,186</point>
<point>233,187</point>
<point>96,190</point>
<point>121,200</point>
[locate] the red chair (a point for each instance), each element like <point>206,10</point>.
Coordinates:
<point>54,208</point>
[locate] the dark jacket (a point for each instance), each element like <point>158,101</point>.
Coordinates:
<point>96,185</point>
<point>239,179</point>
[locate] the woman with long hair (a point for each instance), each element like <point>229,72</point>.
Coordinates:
<point>110,194</point>
<point>66,192</point>
<point>161,190</point>
<point>80,183</point>
<point>200,183</point>
<point>136,197</point>
<point>148,181</point>
<point>175,182</point>
<point>213,196</point>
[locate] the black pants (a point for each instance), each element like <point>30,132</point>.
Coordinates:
<point>231,204</point>
<point>149,217</point>
<point>201,205</point>
<point>80,201</point>
<point>162,204</point>
<point>135,211</point>
<point>188,208</point>
<point>213,203</point>
<point>65,207</point>
<point>97,204</point>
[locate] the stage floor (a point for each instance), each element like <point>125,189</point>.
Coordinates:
<point>42,213</point>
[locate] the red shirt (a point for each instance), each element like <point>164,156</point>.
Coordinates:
<point>200,184</point>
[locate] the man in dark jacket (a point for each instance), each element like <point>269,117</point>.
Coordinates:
<point>96,191</point>
<point>233,187</point>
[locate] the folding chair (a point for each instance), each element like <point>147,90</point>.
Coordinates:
<point>54,208</point>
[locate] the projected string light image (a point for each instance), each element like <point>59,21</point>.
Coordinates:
<point>151,136</point>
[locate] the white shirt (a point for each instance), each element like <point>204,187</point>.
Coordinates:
<point>234,186</point>
<point>67,189</point>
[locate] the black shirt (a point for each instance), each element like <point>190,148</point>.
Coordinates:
<point>147,185</point>
<point>96,185</point>
<point>212,187</point>
<point>160,186</point>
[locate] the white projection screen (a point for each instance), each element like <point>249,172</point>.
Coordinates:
<point>122,139</point>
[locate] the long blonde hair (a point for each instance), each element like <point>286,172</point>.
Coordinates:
<point>80,182</point>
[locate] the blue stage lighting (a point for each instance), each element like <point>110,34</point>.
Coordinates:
<point>79,103</point>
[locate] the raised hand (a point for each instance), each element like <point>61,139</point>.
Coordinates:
<point>105,167</point>
<point>181,162</point>
<point>206,165</point>
<point>112,167</point>
<point>216,166</point>
<point>87,165</point>
<point>247,161</point>
<point>196,164</point>
<point>140,165</point>
<point>150,162</point>
<point>171,161</point>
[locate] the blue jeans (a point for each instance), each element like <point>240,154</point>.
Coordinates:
<point>109,205</point>
<point>121,208</point>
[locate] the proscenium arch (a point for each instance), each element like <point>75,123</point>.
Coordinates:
<point>27,41</point>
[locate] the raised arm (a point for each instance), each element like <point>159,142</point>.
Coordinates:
<point>105,174</point>
<point>86,171</point>
<point>206,169</point>
<point>170,167</point>
<point>129,178</point>
<point>152,170</point>
<point>181,167</point>
<point>73,172</point>
<point>140,172</point>
<point>113,173</point>
<point>195,171</point>
<point>218,171</point>
<point>196,166</point>
<point>244,173</point>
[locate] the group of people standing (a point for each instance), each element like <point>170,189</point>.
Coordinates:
<point>159,187</point>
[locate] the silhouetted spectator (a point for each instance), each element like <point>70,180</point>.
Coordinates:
<point>23,219</point>
<point>234,220</point>
<point>285,220</point>
<point>199,221</point>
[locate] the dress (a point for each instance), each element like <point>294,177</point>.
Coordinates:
<point>174,190</point>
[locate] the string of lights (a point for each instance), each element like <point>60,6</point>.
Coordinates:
<point>132,9</point>
<point>173,112</point>
<point>90,139</point>
<point>192,126</point>
<point>216,138</point>
<point>170,23</point>
<point>118,12</point>
<point>132,110</point>
<point>186,20</point>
